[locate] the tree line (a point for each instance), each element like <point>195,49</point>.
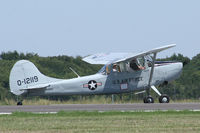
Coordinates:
<point>186,87</point>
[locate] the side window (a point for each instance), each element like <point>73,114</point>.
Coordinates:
<point>105,70</point>
<point>134,65</point>
<point>149,60</point>
<point>116,68</point>
<point>108,69</point>
<point>137,64</point>
<point>141,61</point>
<point>123,66</point>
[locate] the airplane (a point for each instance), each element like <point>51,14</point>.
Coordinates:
<point>121,73</point>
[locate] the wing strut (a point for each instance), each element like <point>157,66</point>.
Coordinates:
<point>151,73</point>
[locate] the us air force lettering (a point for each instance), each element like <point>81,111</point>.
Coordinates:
<point>122,73</point>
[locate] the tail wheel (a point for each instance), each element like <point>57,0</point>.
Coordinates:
<point>164,99</point>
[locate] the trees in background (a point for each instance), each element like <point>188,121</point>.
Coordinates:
<point>186,87</point>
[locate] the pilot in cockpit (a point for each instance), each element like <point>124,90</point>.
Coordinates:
<point>116,68</point>
<point>135,65</point>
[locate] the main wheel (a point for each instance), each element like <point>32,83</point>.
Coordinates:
<point>164,99</point>
<point>148,99</point>
<point>19,103</point>
<point>145,99</point>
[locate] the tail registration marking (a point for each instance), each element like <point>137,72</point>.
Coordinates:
<point>27,81</point>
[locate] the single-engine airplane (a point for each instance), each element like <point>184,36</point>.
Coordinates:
<point>122,73</point>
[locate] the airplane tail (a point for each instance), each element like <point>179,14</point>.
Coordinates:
<point>25,76</point>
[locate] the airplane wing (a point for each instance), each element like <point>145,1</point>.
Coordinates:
<point>106,58</point>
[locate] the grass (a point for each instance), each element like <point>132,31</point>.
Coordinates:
<point>50,102</point>
<point>101,100</point>
<point>40,101</point>
<point>98,122</point>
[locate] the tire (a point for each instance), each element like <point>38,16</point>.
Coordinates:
<point>148,99</point>
<point>145,99</point>
<point>164,99</point>
<point>19,104</point>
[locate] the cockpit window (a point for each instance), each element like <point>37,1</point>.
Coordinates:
<point>149,60</point>
<point>137,64</point>
<point>132,65</point>
<point>102,70</point>
<point>116,68</point>
<point>141,61</point>
<point>106,69</point>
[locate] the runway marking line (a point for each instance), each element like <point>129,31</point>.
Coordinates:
<point>196,110</point>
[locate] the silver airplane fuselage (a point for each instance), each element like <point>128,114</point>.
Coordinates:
<point>112,83</point>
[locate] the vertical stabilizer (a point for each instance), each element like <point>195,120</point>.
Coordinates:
<point>25,75</point>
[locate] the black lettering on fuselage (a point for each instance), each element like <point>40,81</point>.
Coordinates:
<point>128,80</point>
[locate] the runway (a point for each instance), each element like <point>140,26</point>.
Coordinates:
<point>100,107</point>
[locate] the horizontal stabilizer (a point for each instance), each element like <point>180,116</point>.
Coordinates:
<point>41,86</point>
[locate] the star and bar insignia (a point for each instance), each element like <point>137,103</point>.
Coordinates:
<point>92,85</point>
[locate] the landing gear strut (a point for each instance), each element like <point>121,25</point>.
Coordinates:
<point>149,99</point>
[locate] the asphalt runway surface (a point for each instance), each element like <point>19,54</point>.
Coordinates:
<point>100,107</point>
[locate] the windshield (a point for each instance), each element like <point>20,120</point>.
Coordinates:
<point>103,69</point>
<point>106,69</point>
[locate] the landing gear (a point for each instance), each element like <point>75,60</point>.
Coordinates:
<point>148,99</point>
<point>164,99</point>
<point>19,103</point>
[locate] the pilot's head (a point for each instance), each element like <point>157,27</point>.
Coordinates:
<point>114,67</point>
